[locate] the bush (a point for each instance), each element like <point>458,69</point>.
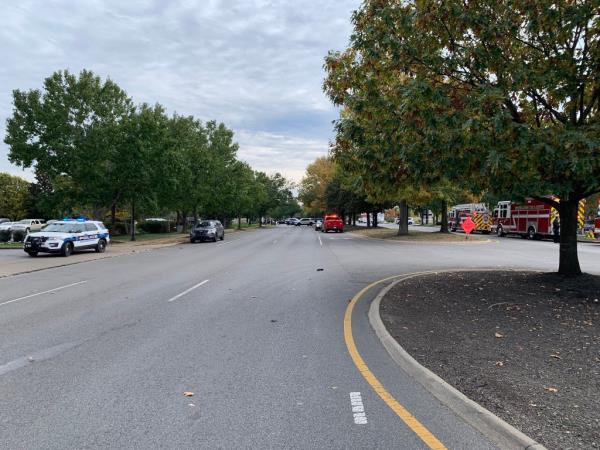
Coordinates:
<point>4,235</point>
<point>18,235</point>
<point>155,226</point>
<point>119,228</point>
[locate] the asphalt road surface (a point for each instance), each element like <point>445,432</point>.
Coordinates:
<point>99,354</point>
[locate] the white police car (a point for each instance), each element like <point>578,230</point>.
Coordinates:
<point>66,236</point>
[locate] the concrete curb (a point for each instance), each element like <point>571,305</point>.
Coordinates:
<point>497,430</point>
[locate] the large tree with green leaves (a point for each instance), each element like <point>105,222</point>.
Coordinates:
<point>66,133</point>
<point>504,95</point>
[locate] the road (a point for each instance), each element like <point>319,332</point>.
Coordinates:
<point>99,354</point>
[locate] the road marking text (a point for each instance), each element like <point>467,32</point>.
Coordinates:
<point>358,409</point>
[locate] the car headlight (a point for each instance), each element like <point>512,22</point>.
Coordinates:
<point>212,230</point>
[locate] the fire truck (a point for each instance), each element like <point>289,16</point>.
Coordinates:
<point>531,219</point>
<point>597,222</point>
<point>478,212</point>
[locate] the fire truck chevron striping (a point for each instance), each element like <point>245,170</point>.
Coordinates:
<point>581,214</point>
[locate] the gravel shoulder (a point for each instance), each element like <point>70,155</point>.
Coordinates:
<point>526,346</point>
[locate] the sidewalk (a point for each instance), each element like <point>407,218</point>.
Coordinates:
<point>16,261</point>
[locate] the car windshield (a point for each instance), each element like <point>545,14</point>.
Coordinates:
<point>205,224</point>
<point>65,227</point>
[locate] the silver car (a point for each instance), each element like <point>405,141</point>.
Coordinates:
<point>207,230</point>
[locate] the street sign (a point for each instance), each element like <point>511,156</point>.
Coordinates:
<point>468,225</point>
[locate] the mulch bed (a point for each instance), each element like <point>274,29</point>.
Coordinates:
<point>526,346</point>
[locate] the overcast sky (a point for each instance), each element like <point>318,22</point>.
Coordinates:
<point>255,65</point>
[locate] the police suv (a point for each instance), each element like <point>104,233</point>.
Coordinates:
<point>66,236</point>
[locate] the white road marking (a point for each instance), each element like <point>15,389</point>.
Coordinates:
<point>358,409</point>
<point>320,241</point>
<point>225,243</point>
<point>172,299</point>
<point>42,293</point>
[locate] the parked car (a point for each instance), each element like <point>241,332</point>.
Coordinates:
<point>410,221</point>
<point>281,222</point>
<point>4,220</point>
<point>318,225</point>
<point>67,236</point>
<point>207,230</point>
<point>292,221</point>
<point>6,225</point>
<point>28,225</point>
<point>304,221</point>
<point>333,223</point>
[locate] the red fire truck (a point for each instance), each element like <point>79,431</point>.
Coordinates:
<point>478,212</point>
<point>597,222</point>
<point>531,219</point>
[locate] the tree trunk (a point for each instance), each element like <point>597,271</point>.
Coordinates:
<point>444,227</point>
<point>374,219</point>
<point>368,220</point>
<point>113,216</point>
<point>133,220</point>
<point>568,265</point>
<point>403,215</point>
<point>354,219</point>
<point>239,221</point>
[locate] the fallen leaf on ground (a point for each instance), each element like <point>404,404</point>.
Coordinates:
<point>551,389</point>
<point>555,356</point>
<point>499,363</point>
<point>188,394</point>
<point>498,335</point>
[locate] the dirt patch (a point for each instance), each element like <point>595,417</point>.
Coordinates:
<point>525,346</point>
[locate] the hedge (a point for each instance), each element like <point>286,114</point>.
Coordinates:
<point>18,235</point>
<point>4,235</point>
<point>155,226</point>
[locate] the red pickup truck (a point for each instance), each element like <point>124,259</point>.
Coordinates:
<point>333,223</point>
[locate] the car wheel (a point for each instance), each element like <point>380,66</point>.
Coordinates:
<point>101,246</point>
<point>67,249</point>
<point>531,233</point>
<point>215,239</point>
<point>32,253</point>
<point>192,241</point>
<point>222,236</point>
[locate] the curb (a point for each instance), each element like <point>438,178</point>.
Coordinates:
<point>497,430</point>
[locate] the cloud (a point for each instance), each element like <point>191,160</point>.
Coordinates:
<point>255,65</point>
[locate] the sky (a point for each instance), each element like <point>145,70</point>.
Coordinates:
<point>255,65</point>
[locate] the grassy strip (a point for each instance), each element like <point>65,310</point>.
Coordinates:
<point>11,245</point>
<point>147,237</point>
<point>386,233</point>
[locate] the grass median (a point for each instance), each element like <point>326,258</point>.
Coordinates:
<point>10,245</point>
<point>392,234</point>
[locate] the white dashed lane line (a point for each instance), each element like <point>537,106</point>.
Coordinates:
<point>60,288</point>
<point>187,291</point>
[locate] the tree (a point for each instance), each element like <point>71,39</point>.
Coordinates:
<point>313,186</point>
<point>14,196</point>
<point>66,133</point>
<point>502,97</point>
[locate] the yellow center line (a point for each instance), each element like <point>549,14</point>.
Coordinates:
<point>417,427</point>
